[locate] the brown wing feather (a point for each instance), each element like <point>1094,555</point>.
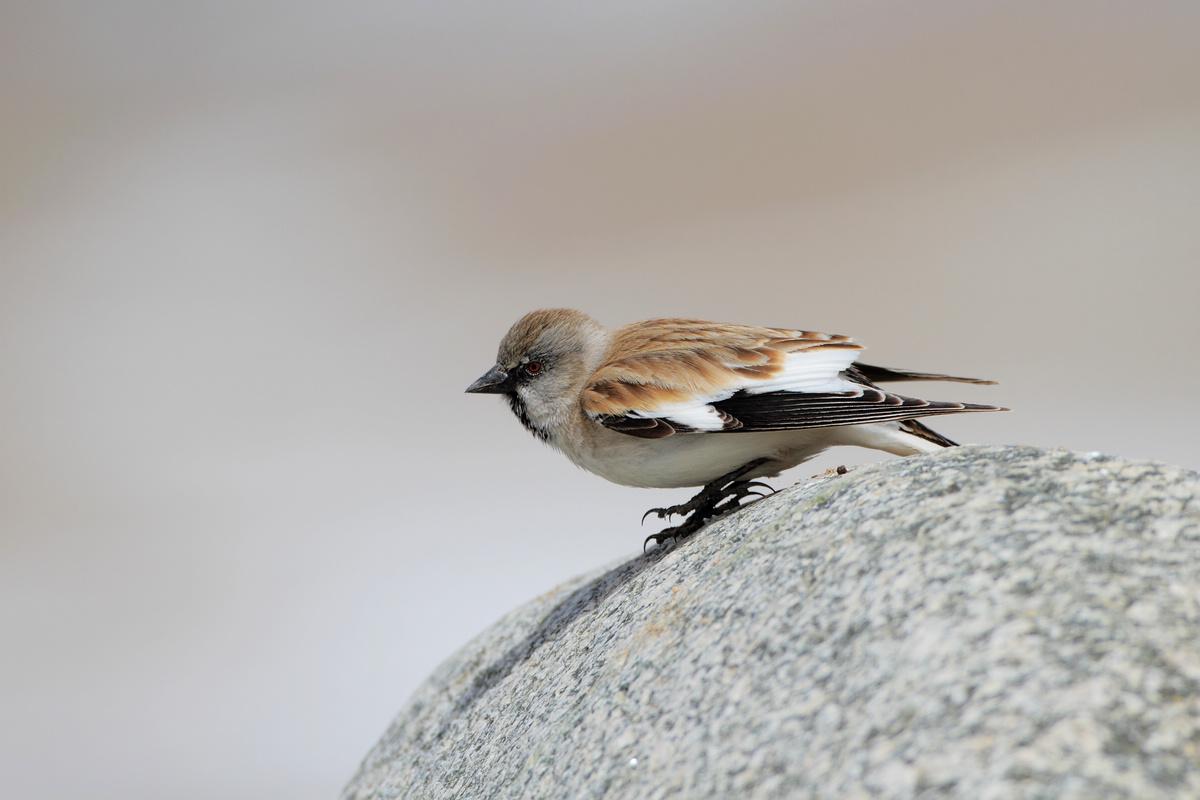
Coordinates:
<point>667,361</point>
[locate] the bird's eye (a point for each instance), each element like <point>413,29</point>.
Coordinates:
<point>533,367</point>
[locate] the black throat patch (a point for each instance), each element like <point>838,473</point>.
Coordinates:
<point>518,407</point>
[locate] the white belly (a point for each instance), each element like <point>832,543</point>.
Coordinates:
<point>694,459</point>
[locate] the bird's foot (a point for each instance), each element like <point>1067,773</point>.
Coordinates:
<point>676,532</point>
<point>738,492</point>
<point>677,510</point>
<point>710,496</point>
<point>716,499</point>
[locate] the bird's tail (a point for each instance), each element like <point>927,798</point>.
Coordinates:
<point>908,437</point>
<point>926,433</point>
<point>884,375</point>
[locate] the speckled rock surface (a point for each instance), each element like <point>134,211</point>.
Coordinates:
<point>982,623</point>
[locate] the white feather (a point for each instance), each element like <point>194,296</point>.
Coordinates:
<point>700,415</point>
<point>805,371</point>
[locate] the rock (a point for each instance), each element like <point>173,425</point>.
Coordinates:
<point>986,622</point>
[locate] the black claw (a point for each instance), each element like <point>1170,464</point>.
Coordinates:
<point>662,513</point>
<point>657,538</point>
<point>760,485</point>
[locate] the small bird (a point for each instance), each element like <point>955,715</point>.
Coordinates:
<point>681,402</point>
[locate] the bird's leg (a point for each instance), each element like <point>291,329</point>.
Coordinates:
<point>738,491</point>
<point>718,497</point>
<point>713,492</point>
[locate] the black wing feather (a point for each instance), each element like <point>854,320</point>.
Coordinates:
<point>643,427</point>
<point>778,411</point>
<point>785,410</point>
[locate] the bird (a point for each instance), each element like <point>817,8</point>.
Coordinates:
<point>668,403</point>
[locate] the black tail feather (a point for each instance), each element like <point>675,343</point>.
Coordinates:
<point>876,374</point>
<point>929,435</point>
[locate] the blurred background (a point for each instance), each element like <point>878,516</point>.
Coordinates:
<point>251,253</point>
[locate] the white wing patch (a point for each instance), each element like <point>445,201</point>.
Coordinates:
<point>699,416</point>
<point>805,371</point>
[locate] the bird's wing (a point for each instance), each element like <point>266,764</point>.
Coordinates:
<point>663,377</point>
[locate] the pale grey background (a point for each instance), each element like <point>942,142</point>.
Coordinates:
<point>251,253</point>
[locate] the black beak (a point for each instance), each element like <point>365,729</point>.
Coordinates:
<point>494,381</point>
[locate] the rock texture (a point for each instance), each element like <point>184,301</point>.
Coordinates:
<point>982,623</point>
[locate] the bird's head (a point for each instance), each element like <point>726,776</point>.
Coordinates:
<point>542,364</point>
